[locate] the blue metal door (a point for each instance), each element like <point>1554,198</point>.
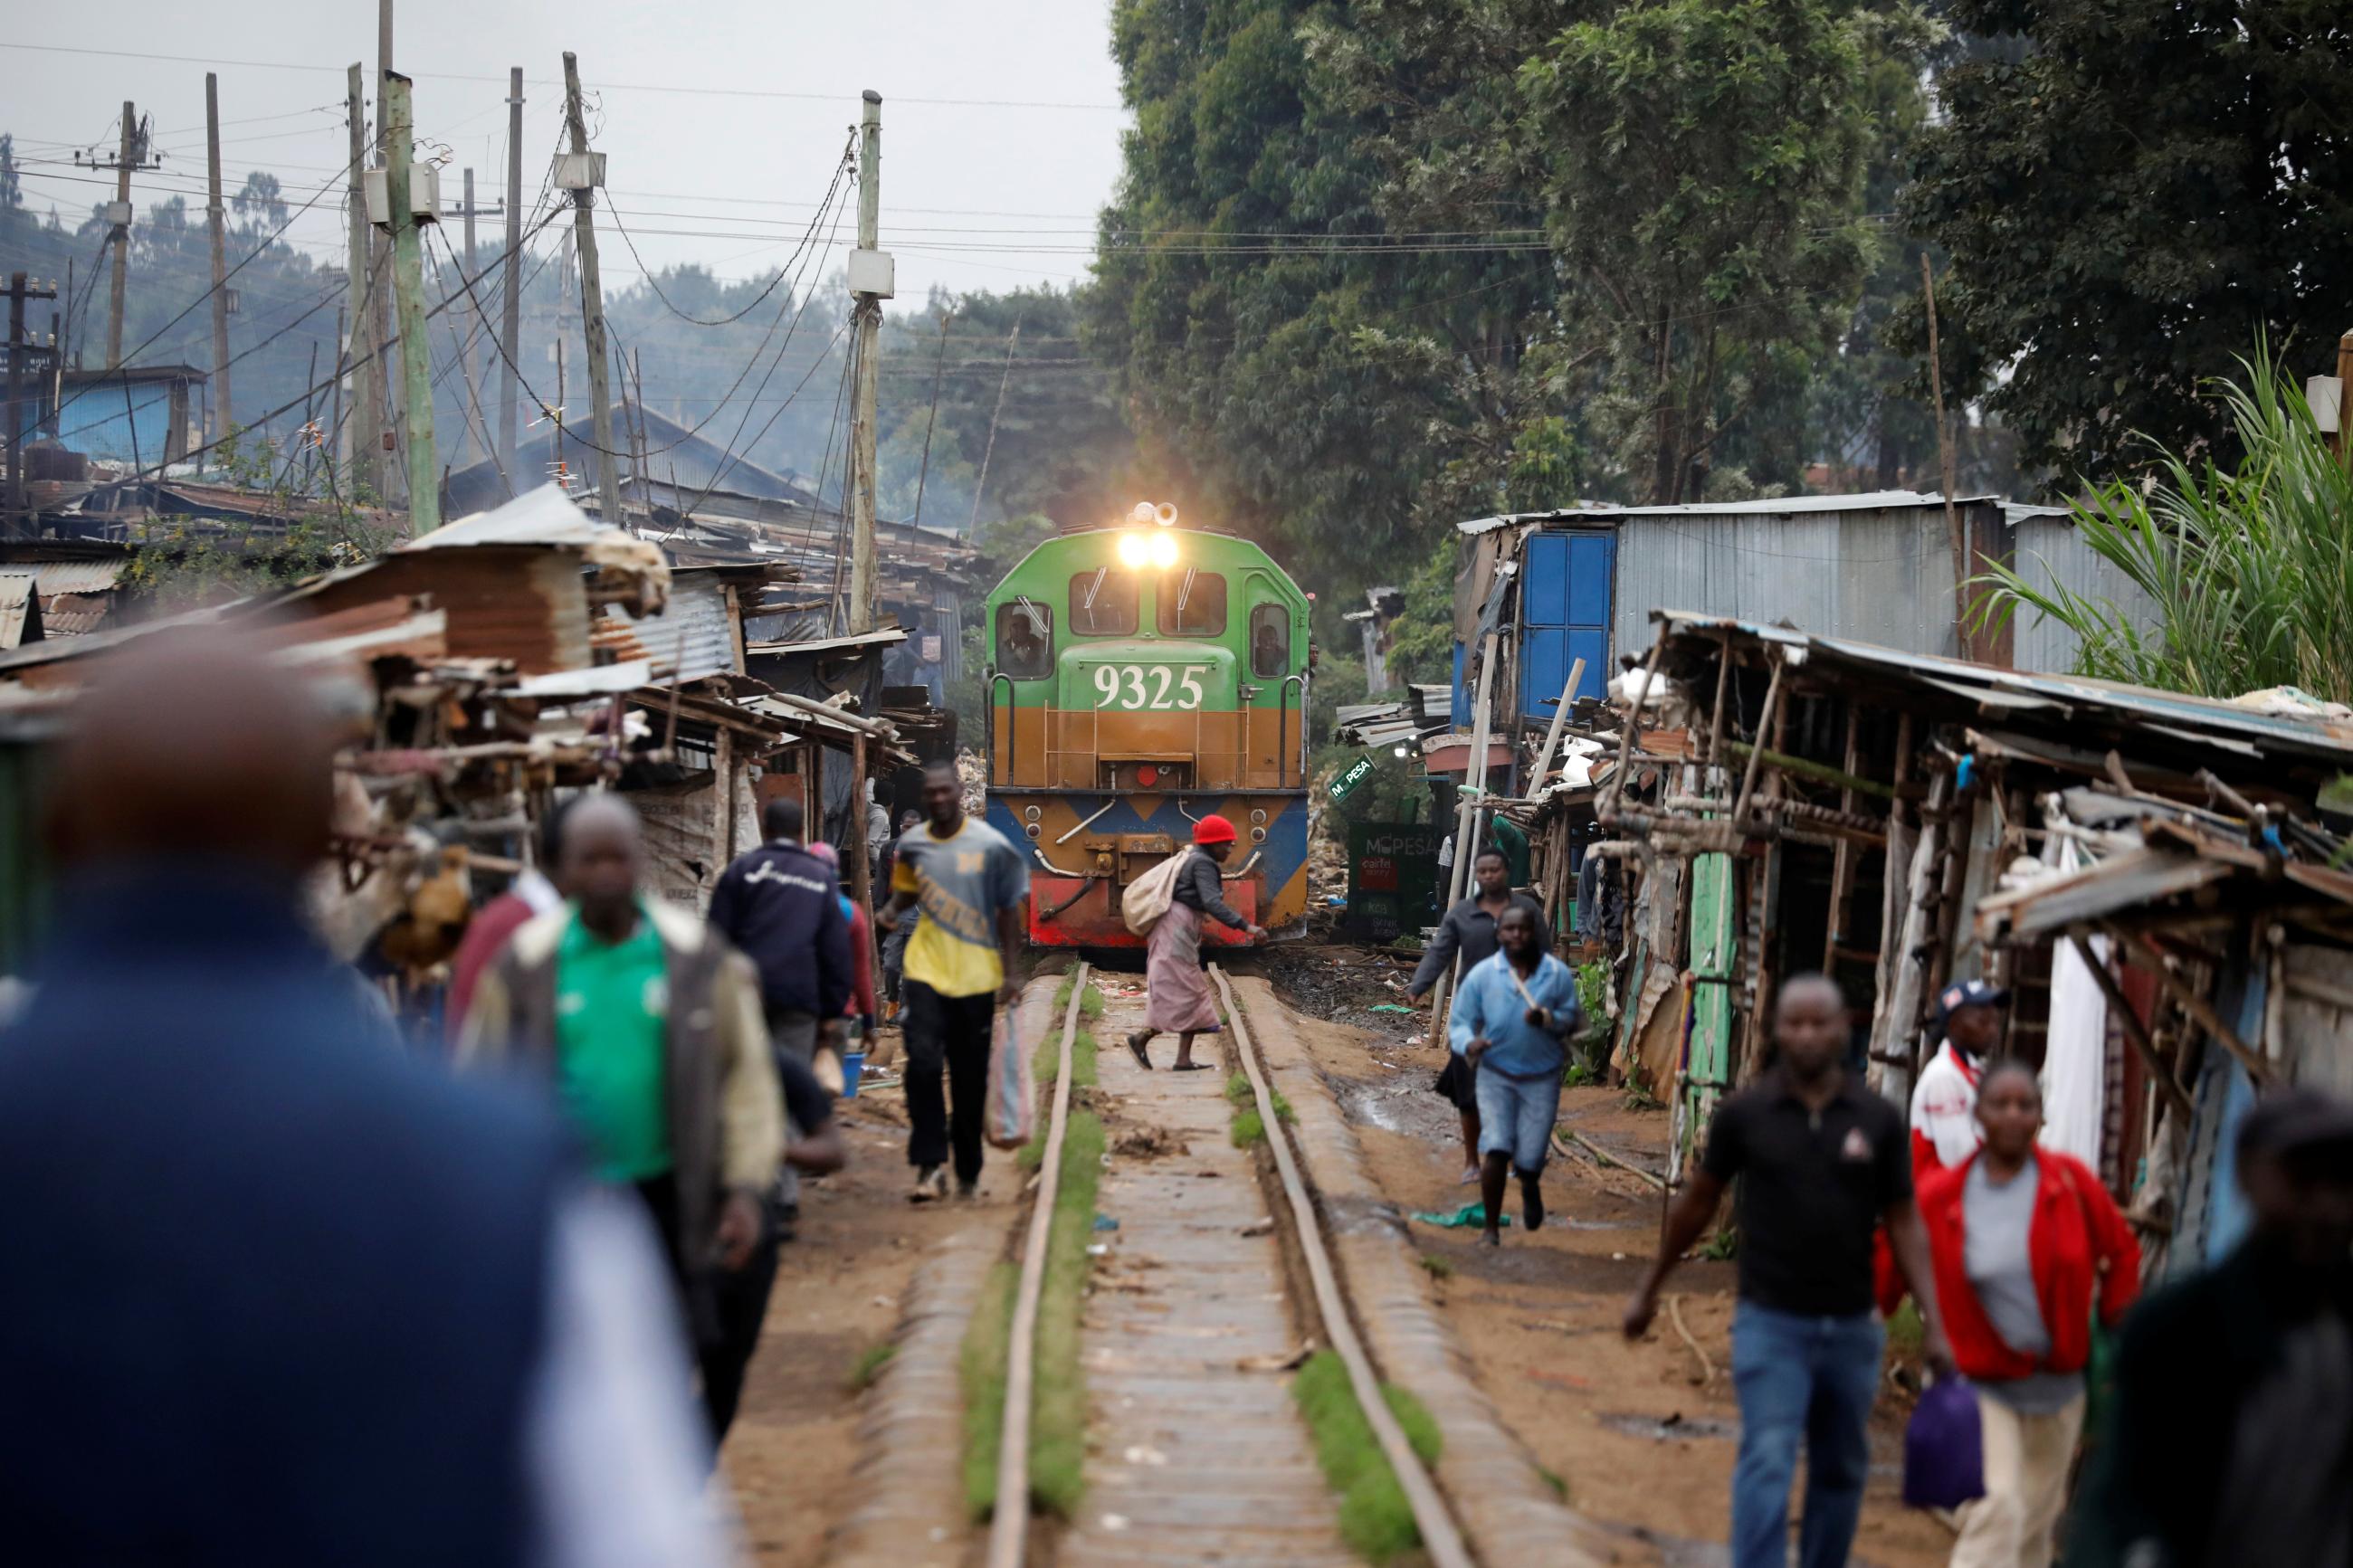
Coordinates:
<point>1565,593</point>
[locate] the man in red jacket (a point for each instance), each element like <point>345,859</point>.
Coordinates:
<point>2026,1244</point>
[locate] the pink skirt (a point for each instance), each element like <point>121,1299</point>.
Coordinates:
<point>1179,999</point>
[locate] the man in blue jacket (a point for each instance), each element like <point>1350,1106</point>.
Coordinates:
<point>781,906</point>
<point>1511,1026</point>
<point>282,1294</point>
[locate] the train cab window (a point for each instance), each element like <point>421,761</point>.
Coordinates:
<point>1102,602</point>
<point>1192,603</point>
<point>1025,640</point>
<point>1270,641</point>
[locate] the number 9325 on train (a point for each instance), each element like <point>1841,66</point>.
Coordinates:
<point>1142,677</point>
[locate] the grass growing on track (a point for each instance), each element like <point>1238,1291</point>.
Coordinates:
<point>981,1369</point>
<point>1058,1435</point>
<point>871,1362</point>
<point>1057,1432</point>
<point>1375,1517</point>
<point>1043,1065</point>
<point>1250,1127</point>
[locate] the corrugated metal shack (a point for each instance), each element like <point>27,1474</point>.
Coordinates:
<point>1878,567</point>
<point>2149,873</point>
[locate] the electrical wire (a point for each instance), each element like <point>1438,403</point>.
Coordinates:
<point>653,282</point>
<point>699,89</point>
<point>687,435</point>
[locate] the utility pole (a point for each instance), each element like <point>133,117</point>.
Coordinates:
<point>213,212</point>
<point>18,349</point>
<point>871,282</point>
<point>385,296</point>
<point>366,432</point>
<point>988,448</point>
<point>470,363</point>
<point>510,309</point>
<point>408,295</point>
<point>584,179</point>
<point>131,155</point>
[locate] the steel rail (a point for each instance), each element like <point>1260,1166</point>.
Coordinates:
<point>1008,1527</point>
<point>1440,1537</point>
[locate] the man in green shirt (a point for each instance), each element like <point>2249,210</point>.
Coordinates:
<point>647,1027</point>
<point>611,1006</point>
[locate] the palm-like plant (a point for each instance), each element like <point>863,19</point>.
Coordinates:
<point>2248,570</point>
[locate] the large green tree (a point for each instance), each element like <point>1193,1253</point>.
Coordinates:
<point>1378,267</point>
<point>2129,194</point>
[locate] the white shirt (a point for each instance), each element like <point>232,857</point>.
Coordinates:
<point>1945,1108</point>
<point>614,1446</point>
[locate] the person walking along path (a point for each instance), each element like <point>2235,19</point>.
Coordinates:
<point>1821,1161</point>
<point>647,1026</point>
<point>2027,1245</point>
<point>1468,932</point>
<point>1178,996</point>
<point>962,964</point>
<point>780,905</point>
<point>283,1295</point>
<point>1511,1027</point>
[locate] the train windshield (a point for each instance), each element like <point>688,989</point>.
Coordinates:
<point>1102,602</point>
<point>1192,603</point>
<point>1025,640</point>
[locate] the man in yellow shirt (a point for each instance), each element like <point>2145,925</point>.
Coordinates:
<point>962,961</point>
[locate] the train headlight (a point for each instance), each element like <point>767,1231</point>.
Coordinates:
<point>1135,549</point>
<point>1163,549</point>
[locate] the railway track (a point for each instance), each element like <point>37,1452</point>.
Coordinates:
<point>1196,1454</point>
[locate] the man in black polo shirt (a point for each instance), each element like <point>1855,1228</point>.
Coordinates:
<point>1821,1161</point>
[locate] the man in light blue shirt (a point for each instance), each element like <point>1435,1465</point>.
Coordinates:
<point>1511,1025</point>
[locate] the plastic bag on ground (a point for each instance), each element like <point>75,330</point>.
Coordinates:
<point>1012,1118</point>
<point>1943,1449</point>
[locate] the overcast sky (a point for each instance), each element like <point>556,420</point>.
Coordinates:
<point>723,118</point>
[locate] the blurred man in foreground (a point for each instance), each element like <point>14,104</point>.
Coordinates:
<point>279,1295</point>
<point>2231,1437</point>
<point>647,1024</point>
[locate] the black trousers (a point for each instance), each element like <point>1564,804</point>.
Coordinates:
<point>947,1036</point>
<point>741,1302</point>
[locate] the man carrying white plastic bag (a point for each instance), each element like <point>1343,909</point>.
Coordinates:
<point>961,965</point>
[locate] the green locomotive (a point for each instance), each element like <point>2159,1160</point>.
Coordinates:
<point>1143,676</point>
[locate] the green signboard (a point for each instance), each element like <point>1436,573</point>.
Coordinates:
<point>1345,785</point>
<point>1393,879</point>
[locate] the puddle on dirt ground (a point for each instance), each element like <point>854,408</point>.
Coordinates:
<point>1671,1428</point>
<point>1405,1107</point>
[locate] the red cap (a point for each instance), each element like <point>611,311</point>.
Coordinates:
<point>1213,830</point>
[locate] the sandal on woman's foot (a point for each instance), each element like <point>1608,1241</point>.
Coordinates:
<point>1190,1067</point>
<point>1135,1044</point>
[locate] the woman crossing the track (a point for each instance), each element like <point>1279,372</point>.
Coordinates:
<point>1179,1001</point>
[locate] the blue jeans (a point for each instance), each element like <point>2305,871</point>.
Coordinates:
<point>1810,1378</point>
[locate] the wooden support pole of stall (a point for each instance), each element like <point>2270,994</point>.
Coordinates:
<point>1842,859</point>
<point>2121,1007</point>
<point>1552,735</point>
<point>1757,753</point>
<point>2150,956</point>
<point>723,794</point>
<point>1466,819</point>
